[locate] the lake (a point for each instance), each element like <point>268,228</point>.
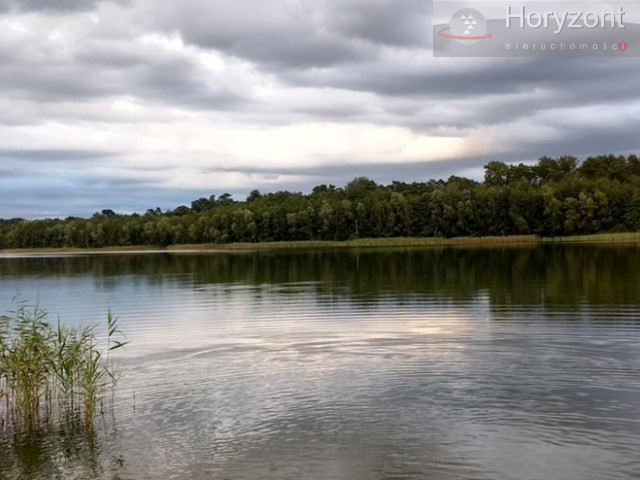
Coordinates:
<point>454,363</point>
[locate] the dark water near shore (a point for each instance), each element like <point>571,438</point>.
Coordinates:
<point>516,363</point>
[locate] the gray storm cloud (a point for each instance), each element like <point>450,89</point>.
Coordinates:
<point>137,103</point>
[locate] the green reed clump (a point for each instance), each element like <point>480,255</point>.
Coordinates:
<point>49,373</point>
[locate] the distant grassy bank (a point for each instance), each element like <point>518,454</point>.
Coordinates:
<point>531,240</point>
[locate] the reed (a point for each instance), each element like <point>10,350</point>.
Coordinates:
<point>394,242</point>
<point>599,238</point>
<point>48,373</point>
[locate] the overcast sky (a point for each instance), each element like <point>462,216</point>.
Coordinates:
<point>135,104</point>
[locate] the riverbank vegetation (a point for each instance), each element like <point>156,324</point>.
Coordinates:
<point>556,197</point>
<point>354,244</point>
<point>52,373</point>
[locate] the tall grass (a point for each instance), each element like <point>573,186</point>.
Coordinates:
<point>52,373</point>
<point>393,242</point>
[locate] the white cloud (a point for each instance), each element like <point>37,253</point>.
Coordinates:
<point>184,97</point>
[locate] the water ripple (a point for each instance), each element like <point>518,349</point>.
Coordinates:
<point>300,380</point>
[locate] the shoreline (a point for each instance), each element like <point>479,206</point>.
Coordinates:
<point>516,241</point>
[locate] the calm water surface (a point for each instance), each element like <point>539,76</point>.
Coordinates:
<point>518,363</point>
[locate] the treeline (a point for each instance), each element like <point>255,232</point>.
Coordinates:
<point>557,196</point>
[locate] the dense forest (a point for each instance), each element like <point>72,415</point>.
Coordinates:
<point>557,196</point>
